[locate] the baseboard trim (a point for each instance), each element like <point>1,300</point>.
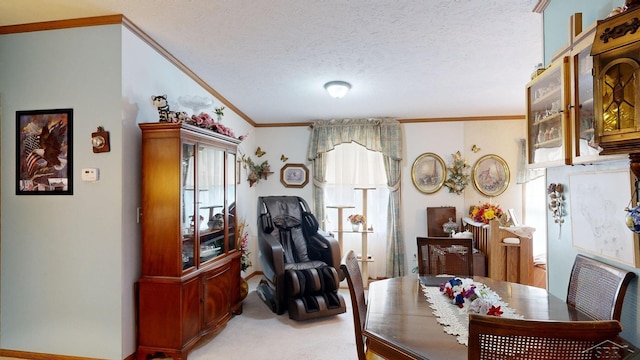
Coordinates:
<point>40,356</point>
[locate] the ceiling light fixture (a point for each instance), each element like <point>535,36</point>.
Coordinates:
<point>337,89</point>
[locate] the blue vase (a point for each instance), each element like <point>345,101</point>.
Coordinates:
<point>632,219</point>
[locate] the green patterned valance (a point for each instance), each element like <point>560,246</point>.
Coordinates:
<point>382,135</point>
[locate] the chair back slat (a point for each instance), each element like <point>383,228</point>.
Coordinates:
<point>597,289</point>
<point>492,337</point>
<point>444,255</point>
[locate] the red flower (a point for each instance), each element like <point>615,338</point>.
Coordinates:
<point>494,311</point>
<point>449,292</point>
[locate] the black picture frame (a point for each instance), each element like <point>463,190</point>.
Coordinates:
<point>44,152</point>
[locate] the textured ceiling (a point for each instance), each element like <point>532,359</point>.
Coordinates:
<point>404,59</point>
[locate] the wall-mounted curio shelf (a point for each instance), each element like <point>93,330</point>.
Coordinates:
<point>546,118</point>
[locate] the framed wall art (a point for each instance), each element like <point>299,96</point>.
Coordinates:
<point>513,219</point>
<point>491,175</point>
<point>428,173</point>
<point>294,175</point>
<point>44,152</point>
<point>598,220</point>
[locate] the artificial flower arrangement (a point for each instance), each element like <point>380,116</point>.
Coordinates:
<point>357,219</point>
<point>474,297</point>
<point>485,212</point>
<point>243,246</point>
<point>458,174</point>
<point>203,120</point>
<point>255,171</point>
<point>556,203</point>
<point>207,121</point>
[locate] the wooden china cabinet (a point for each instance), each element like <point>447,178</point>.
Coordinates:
<point>190,284</point>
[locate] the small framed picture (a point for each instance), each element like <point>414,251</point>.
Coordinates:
<point>44,156</point>
<point>491,175</point>
<point>513,219</point>
<point>428,173</point>
<point>294,175</point>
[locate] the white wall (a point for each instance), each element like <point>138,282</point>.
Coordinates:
<point>62,255</point>
<point>292,142</point>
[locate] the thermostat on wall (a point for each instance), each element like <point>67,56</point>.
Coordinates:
<point>90,174</point>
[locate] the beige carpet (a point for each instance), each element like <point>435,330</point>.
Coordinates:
<point>260,334</point>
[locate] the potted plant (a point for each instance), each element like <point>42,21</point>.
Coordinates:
<point>356,220</point>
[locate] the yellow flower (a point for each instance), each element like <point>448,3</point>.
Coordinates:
<point>485,212</point>
<point>489,214</point>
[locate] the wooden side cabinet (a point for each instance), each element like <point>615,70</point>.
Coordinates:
<point>190,284</point>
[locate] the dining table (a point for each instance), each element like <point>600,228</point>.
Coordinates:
<point>400,323</point>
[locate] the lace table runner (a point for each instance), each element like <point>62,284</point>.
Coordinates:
<point>454,319</point>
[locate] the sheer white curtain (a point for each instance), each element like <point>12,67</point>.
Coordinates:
<point>535,190</point>
<point>351,166</point>
<point>535,203</point>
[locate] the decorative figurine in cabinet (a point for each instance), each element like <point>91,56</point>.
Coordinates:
<point>190,283</point>
<point>616,56</point>
<point>546,118</point>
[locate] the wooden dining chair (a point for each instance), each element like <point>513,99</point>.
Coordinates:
<point>495,338</point>
<point>351,269</point>
<point>445,255</point>
<point>597,289</point>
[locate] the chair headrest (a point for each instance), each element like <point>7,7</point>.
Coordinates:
<point>285,211</point>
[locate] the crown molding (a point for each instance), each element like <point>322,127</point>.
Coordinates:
<point>541,6</point>
<point>128,24</point>
<point>62,24</point>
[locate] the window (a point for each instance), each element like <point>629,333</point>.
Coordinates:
<point>351,166</point>
<point>536,213</point>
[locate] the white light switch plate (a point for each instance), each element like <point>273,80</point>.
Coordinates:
<point>90,174</point>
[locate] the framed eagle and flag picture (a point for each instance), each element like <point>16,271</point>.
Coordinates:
<point>44,154</point>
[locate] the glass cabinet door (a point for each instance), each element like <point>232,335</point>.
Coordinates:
<point>211,227</point>
<point>618,86</point>
<point>187,204</point>
<point>546,118</point>
<point>585,143</point>
<point>231,200</point>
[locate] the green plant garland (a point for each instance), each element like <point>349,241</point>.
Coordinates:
<point>458,174</point>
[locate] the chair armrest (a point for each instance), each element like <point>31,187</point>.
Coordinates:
<point>272,256</point>
<point>336,257</point>
<point>327,249</point>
